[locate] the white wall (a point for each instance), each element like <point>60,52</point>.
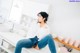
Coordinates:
<point>32,8</point>
<point>64,18</point>
<point>5,6</point>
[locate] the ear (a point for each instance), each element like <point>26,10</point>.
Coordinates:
<point>44,18</point>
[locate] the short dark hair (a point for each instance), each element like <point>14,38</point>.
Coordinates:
<point>44,15</point>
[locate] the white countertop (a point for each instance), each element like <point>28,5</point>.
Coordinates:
<point>12,38</point>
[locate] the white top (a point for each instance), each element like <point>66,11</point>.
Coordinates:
<point>36,30</point>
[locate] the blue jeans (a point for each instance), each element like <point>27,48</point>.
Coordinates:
<point>27,43</point>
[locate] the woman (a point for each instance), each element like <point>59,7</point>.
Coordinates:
<point>41,36</point>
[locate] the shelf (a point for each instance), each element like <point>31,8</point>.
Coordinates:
<point>71,46</point>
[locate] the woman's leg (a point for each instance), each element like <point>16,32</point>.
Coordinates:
<point>47,40</point>
<point>26,43</point>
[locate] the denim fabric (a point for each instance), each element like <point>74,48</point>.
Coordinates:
<point>34,41</point>
<point>24,43</point>
<point>47,40</point>
<point>29,43</point>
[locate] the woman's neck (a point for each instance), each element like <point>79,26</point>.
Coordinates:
<point>42,24</point>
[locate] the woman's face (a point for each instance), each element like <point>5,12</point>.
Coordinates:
<point>40,18</point>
